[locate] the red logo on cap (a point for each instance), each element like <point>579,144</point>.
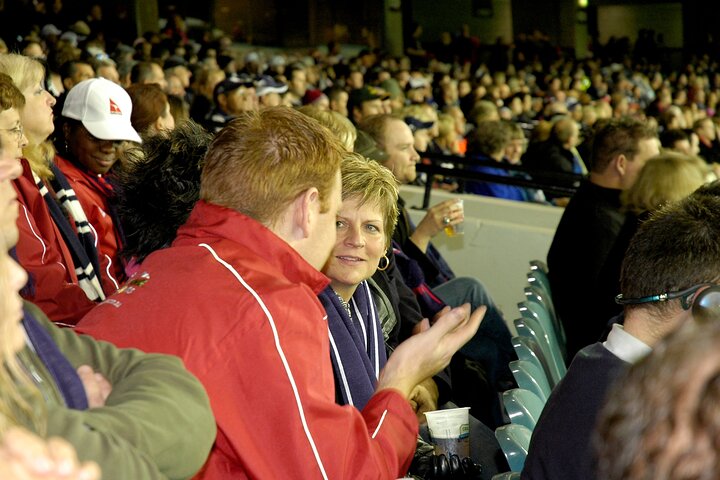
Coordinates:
<point>114,109</point>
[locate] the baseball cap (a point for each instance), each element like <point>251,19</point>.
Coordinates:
<point>233,82</point>
<point>364,94</point>
<point>70,37</point>
<point>50,29</point>
<point>311,96</point>
<point>416,124</point>
<point>277,61</point>
<point>417,82</point>
<point>267,84</point>
<point>104,109</point>
<point>174,61</point>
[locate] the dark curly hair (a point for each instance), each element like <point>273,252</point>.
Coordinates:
<point>158,187</point>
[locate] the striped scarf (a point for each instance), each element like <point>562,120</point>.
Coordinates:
<point>357,346</point>
<point>81,241</point>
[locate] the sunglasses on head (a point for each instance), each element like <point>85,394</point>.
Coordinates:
<point>705,305</point>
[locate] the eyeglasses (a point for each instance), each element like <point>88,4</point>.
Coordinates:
<point>685,297</point>
<point>17,131</point>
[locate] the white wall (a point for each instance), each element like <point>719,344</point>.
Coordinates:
<point>501,237</point>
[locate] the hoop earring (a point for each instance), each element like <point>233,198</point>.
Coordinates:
<point>387,264</point>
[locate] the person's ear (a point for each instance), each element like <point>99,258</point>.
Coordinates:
<point>620,164</point>
<point>157,125</point>
<point>307,209</point>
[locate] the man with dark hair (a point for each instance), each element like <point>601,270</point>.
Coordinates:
<point>676,140</point>
<point>364,102</point>
<point>707,134</point>
<point>232,96</point>
<point>74,72</point>
<point>674,255</point>
<point>235,297</point>
<point>488,142</point>
<point>297,82</point>
<point>590,225</point>
<point>148,72</point>
<point>338,100</point>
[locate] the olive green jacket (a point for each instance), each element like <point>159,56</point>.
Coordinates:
<point>156,423</point>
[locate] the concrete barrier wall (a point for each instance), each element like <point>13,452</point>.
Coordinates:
<point>500,239</point>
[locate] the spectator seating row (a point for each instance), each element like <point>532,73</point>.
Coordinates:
<point>540,346</point>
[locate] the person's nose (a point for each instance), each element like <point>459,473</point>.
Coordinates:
<point>355,237</point>
<point>415,156</point>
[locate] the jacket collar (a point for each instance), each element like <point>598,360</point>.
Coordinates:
<point>210,222</point>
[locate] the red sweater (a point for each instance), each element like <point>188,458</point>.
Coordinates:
<point>91,193</point>
<point>240,307</point>
<point>42,251</point>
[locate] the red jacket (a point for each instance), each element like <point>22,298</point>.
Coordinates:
<point>42,251</point>
<point>94,202</point>
<point>239,305</point>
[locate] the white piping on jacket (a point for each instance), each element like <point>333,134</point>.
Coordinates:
<point>279,349</point>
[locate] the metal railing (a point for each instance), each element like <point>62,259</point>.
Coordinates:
<point>553,183</point>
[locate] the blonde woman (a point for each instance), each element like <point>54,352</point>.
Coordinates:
<point>59,255</point>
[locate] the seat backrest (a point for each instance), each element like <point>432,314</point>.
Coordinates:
<point>548,340</point>
<point>523,407</point>
<point>537,295</point>
<point>528,327</point>
<point>541,279</point>
<point>530,377</point>
<point>514,441</point>
<point>528,349</point>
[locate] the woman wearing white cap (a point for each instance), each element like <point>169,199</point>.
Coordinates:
<point>59,256</point>
<point>96,120</point>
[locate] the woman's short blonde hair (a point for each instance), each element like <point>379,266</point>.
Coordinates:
<point>370,183</point>
<point>666,178</point>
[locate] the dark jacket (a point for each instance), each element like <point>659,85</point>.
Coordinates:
<point>561,446</point>
<point>584,237</point>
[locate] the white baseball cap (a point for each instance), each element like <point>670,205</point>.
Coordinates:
<point>104,109</point>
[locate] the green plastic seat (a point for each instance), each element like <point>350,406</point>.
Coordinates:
<point>514,441</point>
<point>540,270</point>
<point>530,328</point>
<point>548,340</point>
<point>534,293</point>
<point>530,377</point>
<point>523,407</point>
<point>538,278</point>
<point>528,349</point>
